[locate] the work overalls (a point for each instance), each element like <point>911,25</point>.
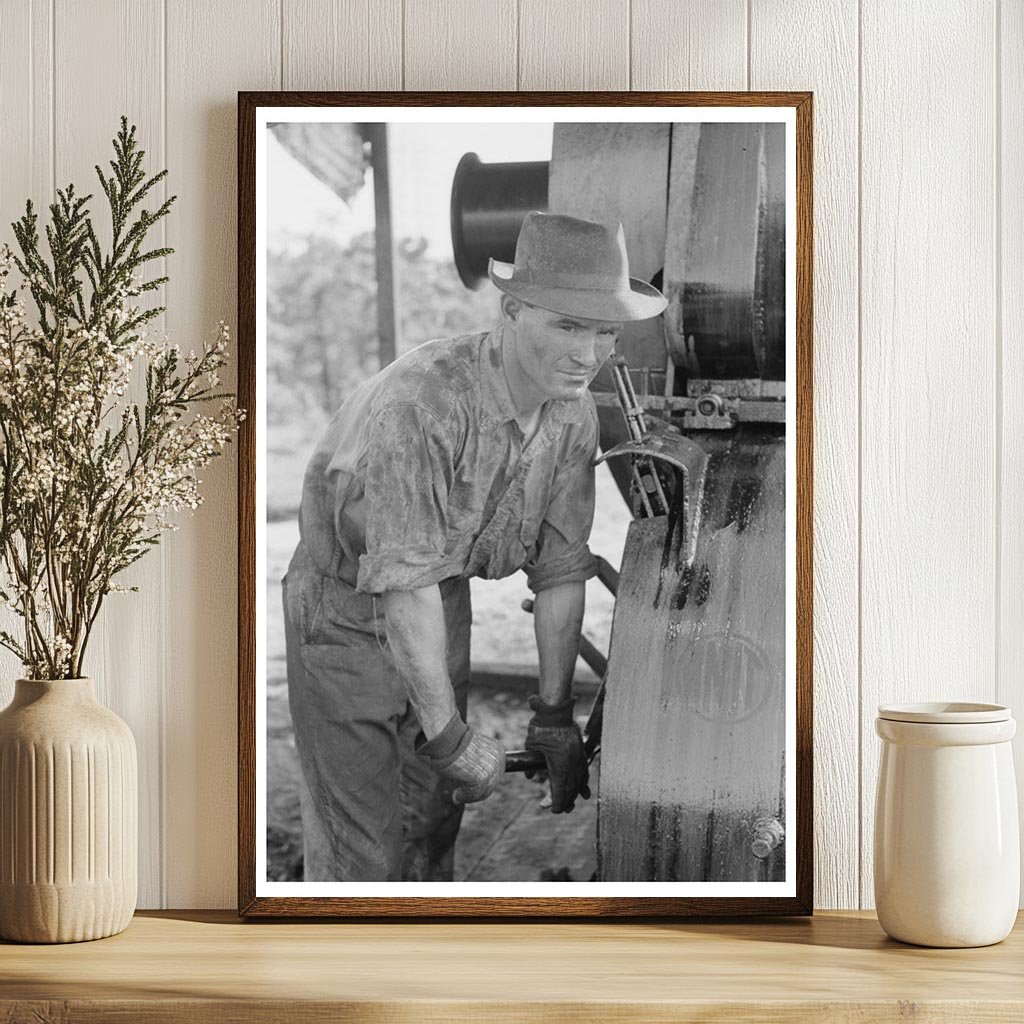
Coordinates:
<point>358,727</point>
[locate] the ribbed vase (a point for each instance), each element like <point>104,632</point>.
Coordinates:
<point>68,815</point>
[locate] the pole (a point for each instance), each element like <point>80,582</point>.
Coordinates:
<point>387,305</point>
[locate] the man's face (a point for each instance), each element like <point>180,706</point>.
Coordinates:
<point>558,355</point>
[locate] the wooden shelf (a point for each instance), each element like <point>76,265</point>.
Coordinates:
<point>210,967</point>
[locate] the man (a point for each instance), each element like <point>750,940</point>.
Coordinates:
<point>469,456</point>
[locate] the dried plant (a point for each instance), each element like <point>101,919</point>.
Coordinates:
<point>89,477</point>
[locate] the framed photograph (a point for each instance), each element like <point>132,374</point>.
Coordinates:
<point>525,504</point>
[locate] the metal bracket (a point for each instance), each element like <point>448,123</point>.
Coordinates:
<point>710,411</point>
<point>689,459</point>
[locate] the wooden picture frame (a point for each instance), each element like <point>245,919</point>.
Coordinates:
<point>256,897</point>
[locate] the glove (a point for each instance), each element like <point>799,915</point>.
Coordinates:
<point>554,733</point>
<point>474,761</point>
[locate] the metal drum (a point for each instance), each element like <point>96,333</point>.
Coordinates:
<point>725,259</point>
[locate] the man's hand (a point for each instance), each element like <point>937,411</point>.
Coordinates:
<point>478,769</point>
<point>469,758</point>
<point>554,733</point>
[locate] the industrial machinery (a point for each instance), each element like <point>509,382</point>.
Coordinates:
<point>693,724</point>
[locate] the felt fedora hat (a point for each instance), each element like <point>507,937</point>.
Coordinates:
<point>576,267</point>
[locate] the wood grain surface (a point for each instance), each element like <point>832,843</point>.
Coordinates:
<point>701,44</point>
<point>469,44</point>
<point>831,72</point>
<point>26,126</point>
<point>1010,368</point>
<point>342,44</point>
<point>200,967</point>
<point>573,44</point>
<point>228,46</point>
<point>133,676</point>
<point>928,367</point>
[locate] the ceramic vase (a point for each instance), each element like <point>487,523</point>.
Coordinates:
<point>68,815</point>
<point>947,848</point>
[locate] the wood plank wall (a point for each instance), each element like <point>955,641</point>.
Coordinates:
<point>919,296</point>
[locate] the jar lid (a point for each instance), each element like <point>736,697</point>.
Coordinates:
<point>945,712</point>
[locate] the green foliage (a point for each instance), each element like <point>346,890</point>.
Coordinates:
<point>58,288</point>
<point>89,476</point>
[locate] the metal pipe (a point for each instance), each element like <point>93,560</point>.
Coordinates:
<point>646,481</point>
<point>387,286</point>
<point>607,574</point>
<point>489,202</point>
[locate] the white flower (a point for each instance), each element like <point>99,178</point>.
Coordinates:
<point>59,407</point>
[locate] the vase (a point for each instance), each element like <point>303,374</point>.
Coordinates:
<point>947,848</point>
<point>68,815</point>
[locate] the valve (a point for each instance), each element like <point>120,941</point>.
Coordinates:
<point>767,835</point>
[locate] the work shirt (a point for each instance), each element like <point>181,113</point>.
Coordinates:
<point>424,474</point>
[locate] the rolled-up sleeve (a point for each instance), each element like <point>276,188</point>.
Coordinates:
<point>562,554</point>
<point>408,477</point>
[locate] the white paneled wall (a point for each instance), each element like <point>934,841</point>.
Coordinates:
<point>928,513</point>
<point>832,73</point>
<point>1009,367</point>
<point>919,326</point>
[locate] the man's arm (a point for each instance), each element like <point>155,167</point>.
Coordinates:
<point>416,633</point>
<point>557,621</point>
<point>557,618</point>
<point>409,471</point>
<point>557,573</point>
<point>417,636</point>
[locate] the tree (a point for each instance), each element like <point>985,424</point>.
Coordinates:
<point>322,318</point>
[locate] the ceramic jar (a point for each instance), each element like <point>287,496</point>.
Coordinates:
<point>947,848</point>
<point>68,812</point>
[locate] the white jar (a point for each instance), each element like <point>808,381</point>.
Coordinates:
<point>947,848</point>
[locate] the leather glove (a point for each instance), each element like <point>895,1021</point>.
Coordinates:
<point>554,733</point>
<point>468,758</point>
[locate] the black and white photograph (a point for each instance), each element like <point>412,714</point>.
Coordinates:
<point>525,502</point>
